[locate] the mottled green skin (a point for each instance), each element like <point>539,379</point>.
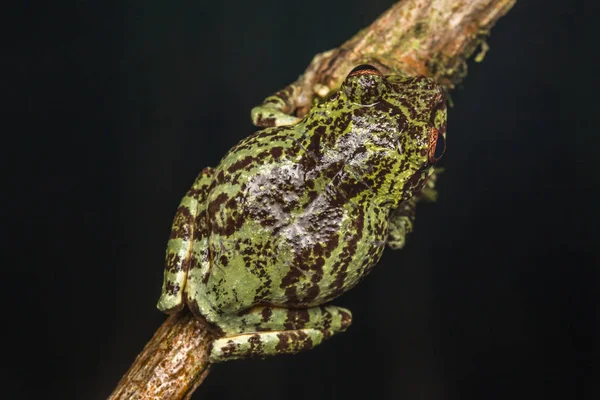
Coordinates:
<point>293,216</point>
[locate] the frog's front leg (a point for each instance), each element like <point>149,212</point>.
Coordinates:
<point>269,330</point>
<point>186,231</point>
<point>400,223</point>
<point>402,218</point>
<point>276,110</point>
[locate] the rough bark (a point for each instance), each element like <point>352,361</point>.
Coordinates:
<point>173,363</point>
<point>426,37</point>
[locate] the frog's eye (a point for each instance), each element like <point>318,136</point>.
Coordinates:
<point>364,85</point>
<point>437,145</point>
<point>364,69</point>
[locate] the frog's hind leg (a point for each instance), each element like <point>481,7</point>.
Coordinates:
<point>187,229</point>
<point>268,330</point>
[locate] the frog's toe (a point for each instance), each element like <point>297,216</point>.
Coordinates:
<point>169,304</point>
<point>265,117</point>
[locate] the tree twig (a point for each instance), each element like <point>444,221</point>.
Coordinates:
<point>428,37</point>
<point>414,37</point>
<point>173,363</point>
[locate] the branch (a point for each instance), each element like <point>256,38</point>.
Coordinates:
<point>414,37</point>
<point>172,365</point>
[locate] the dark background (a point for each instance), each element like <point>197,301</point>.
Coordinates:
<point>112,109</point>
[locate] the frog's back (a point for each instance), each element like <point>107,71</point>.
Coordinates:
<point>283,229</point>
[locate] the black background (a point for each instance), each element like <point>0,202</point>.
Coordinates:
<point>114,108</point>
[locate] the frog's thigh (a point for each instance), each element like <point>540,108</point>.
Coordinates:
<point>183,231</point>
<point>268,330</point>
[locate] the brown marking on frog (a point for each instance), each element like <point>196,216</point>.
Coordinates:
<point>276,152</point>
<point>173,262</point>
<point>327,318</point>
<point>345,258</point>
<point>266,314</point>
<point>265,122</point>
<point>255,346</point>
<point>284,341</point>
<point>240,164</point>
<point>183,220</point>
<point>172,288</point>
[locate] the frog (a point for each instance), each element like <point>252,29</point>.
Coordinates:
<point>299,212</point>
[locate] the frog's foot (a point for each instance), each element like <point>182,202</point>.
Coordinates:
<point>271,330</point>
<point>400,223</point>
<point>265,116</point>
<point>429,193</point>
<point>401,220</point>
<point>277,110</point>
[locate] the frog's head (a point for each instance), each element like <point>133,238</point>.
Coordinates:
<point>403,120</point>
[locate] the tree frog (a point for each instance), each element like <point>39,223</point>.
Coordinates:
<point>298,213</point>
